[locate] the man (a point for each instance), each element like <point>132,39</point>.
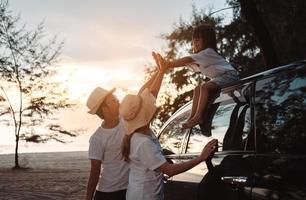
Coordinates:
<point>105,143</point>
<point>105,149</point>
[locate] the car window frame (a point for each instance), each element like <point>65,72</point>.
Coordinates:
<point>171,119</point>
<point>246,86</point>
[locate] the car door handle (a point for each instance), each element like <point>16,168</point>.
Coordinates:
<point>165,178</point>
<point>235,180</point>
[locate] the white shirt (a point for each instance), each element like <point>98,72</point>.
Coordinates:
<point>210,63</point>
<point>145,157</point>
<point>105,145</point>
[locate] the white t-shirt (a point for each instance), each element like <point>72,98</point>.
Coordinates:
<point>145,157</point>
<point>105,145</point>
<point>210,63</point>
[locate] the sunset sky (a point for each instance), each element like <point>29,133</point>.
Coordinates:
<point>107,43</point>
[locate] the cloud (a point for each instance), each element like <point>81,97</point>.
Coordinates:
<point>104,30</point>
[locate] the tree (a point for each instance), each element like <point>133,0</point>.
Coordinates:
<point>262,35</point>
<point>280,28</point>
<point>28,94</point>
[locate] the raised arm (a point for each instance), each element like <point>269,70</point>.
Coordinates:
<point>154,83</point>
<point>148,83</point>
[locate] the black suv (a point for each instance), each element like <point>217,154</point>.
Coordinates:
<point>260,123</point>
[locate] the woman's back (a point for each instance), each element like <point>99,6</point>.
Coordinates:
<point>145,157</point>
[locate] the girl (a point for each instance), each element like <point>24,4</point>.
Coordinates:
<point>141,148</point>
<point>211,64</point>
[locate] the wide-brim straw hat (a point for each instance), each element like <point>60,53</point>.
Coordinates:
<point>96,98</point>
<point>137,110</point>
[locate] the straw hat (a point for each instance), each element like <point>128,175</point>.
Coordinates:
<point>96,98</point>
<point>137,110</point>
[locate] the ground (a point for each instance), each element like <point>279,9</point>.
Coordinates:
<point>49,176</point>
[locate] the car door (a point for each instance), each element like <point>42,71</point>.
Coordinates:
<point>280,106</point>
<point>230,176</point>
<point>173,139</point>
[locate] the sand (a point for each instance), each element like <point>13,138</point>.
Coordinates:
<point>60,175</point>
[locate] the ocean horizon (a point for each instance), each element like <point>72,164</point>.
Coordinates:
<point>43,147</point>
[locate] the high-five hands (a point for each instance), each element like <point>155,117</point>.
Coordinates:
<point>162,64</point>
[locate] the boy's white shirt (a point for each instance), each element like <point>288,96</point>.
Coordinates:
<point>146,156</point>
<point>105,145</point>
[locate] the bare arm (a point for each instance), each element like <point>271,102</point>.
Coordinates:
<point>180,62</point>
<point>93,178</point>
<point>148,83</point>
<point>175,63</point>
<point>155,87</point>
<point>154,83</point>
<point>173,169</point>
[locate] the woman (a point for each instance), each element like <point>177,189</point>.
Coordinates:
<point>141,148</point>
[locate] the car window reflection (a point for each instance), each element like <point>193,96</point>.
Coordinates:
<point>282,130</point>
<point>172,136</point>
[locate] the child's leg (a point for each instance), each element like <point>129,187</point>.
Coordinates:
<point>208,93</point>
<point>195,99</point>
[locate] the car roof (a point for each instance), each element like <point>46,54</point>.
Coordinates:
<point>267,73</point>
<point>260,75</point>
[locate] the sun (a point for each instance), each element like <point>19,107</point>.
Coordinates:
<point>81,80</point>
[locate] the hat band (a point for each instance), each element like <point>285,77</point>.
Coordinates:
<point>137,111</point>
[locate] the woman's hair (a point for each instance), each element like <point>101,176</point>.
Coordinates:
<point>126,147</point>
<point>126,144</point>
<point>208,34</point>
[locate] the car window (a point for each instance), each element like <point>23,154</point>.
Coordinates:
<point>172,136</point>
<point>230,124</point>
<point>280,113</point>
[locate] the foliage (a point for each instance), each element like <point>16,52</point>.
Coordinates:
<point>236,42</point>
<point>279,26</point>
<point>29,94</point>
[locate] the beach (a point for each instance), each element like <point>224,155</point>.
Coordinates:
<point>58,175</point>
<point>53,176</point>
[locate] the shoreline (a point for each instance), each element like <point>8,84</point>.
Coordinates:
<point>42,152</point>
<point>43,148</point>
<point>65,159</point>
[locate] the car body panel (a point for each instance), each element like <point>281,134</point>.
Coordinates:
<point>245,167</point>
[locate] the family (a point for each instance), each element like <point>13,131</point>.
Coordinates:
<point>131,156</point>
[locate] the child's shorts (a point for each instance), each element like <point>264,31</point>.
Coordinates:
<point>226,78</point>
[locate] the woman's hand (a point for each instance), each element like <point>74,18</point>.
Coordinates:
<point>162,64</point>
<point>209,148</point>
<point>155,57</point>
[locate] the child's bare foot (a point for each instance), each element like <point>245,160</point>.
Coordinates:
<point>192,122</point>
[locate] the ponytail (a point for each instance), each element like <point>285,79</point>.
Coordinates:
<point>126,142</point>
<point>126,147</point>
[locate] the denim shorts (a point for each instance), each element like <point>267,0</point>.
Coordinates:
<point>226,78</point>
